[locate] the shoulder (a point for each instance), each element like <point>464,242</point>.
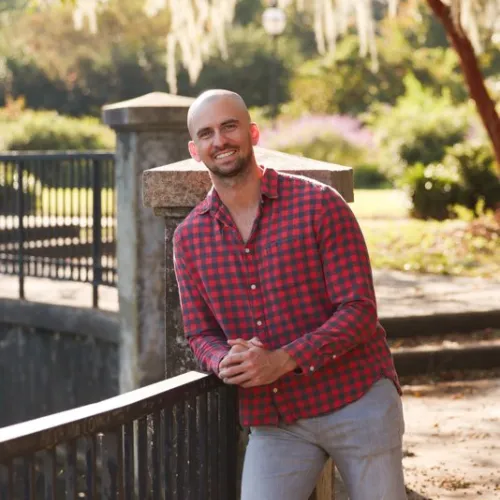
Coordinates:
<point>192,225</point>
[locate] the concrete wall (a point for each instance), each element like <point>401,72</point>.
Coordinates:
<point>54,358</point>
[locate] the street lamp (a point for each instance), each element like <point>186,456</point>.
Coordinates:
<point>274,23</point>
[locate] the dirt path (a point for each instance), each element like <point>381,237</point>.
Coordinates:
<point>452,440</point>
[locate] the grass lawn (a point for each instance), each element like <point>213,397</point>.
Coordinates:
<point>380,204</point>
<point>454,247</point>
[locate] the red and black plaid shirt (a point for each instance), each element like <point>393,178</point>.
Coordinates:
<point>302,282</point>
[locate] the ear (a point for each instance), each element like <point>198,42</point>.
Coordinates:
<point>254,133</point>
<point>193,151</point>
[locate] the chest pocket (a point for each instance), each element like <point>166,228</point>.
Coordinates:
<point>288,261</point>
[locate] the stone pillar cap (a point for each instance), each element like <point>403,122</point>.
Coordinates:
<point>185,183</point>
<point>154,110</point>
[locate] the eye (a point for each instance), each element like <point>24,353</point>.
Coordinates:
<point>230,126</point>
<point>205,135</point>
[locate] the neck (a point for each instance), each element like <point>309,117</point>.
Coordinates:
<point>241,192</point>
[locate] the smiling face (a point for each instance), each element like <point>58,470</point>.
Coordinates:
<point>222,134</point>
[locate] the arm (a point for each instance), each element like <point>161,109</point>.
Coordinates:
<point>348,277</point>
<point>205,337</point>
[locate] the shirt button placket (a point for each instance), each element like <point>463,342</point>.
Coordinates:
<point>253,277</point>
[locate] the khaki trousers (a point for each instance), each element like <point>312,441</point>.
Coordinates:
<point>364,439</point>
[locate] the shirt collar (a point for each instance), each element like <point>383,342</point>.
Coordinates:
<point>268,188</point>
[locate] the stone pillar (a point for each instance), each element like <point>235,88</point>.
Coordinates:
<point>173,191</point>
<point>150,131</point>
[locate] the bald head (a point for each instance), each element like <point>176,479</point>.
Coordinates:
<point>203,101</point>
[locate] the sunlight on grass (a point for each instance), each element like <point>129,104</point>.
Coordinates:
<point>380,204</point>
<point>448,247</point>
<point>74,201</point>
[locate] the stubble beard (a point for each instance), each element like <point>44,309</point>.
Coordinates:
<point>239,169</point>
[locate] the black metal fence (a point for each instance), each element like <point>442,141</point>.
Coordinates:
<point>174,440</point>
<point>57,217</point>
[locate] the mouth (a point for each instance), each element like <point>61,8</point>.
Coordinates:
<point>225,154</point>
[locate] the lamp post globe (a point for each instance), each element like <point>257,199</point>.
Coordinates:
<point>274,24</point>
<point>274,21</point>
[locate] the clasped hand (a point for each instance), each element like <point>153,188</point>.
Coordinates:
<point>250,364</point>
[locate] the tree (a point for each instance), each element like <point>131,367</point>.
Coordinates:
<point>470,67</point>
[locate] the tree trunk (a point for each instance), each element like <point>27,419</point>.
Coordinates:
<point>473,76</point>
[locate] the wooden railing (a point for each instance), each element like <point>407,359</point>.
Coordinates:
<point>173,440</point>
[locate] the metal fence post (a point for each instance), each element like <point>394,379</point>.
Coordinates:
<point>20,227</point>
<point>96,232</point>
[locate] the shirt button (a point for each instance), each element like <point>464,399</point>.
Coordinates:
<point>275,390</point>
<point>311,368</point>
<point>334,356</point>
<point>247,250</point>
<point>253,287</point>
<point>259,323</point>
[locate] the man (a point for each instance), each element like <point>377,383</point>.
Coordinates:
<point>277,297</point>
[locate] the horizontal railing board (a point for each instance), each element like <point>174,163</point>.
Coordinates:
<point>40,233</point>
<point>46,432</point>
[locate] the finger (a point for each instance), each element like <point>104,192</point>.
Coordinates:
<point>233,371</point>
<point>256,342</point>
<point>241,379</point>
<point>232,359</point>
<point>238,348</point>
<point>241,342</point>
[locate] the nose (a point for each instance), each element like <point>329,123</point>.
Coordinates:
<point>218,139</point>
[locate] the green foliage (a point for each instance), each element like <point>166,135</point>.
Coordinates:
<point>466,178</point>
<point>328,147</point>
<point>369,176</point>
<point>418,129</point>
<point>47,130</point>
<point>480,186</point>
<point>433,189</point>
<point>76,72</point>
<point>333,148</point>
<point>344,84</point>
<point>247,69</point>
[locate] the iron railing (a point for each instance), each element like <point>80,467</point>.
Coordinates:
<point>57,217</point>
<point>174,440</point>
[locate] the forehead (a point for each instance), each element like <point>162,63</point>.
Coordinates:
<point>212,112</point>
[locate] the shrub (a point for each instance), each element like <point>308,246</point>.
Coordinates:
<point>418,129</point>
<point>433,190</point>
<point>369,177</point>
<point>466,177</point>
<point>479,182</point>
<point>333,139</point>
<point>47,130</point>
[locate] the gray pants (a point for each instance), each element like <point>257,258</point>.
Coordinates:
<point>364,439</point>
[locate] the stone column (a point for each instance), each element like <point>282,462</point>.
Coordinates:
<point>150,131</point>
<point>173,191</point>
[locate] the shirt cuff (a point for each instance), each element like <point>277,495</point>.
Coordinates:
<point>302,355</point>
<point>216,359</point>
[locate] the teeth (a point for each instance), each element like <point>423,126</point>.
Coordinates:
<point>225,155</point>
